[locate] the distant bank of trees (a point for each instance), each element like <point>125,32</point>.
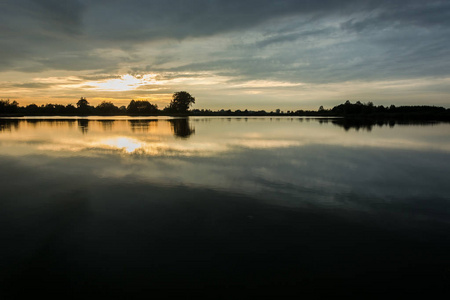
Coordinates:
<point>348,110</point>
<point>181,102</point>
<point>370,111</point>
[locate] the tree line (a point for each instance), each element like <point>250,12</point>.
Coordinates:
<point>368,110</point>
<point>181,102</point>
<point>348,110</point>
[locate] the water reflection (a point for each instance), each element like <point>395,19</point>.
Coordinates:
<point>83,125</point>
<point>107,125</point>
<point>184,127</point>
<point>130,145</point>
<point>181,128</point>
<point>134,204</point>
<point>8,125</point>
<point>368,124</point>
<point>142,125</point>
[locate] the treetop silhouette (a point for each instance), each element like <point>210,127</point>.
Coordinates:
<point>181,101</point>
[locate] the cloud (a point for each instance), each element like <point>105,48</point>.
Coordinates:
<point>33,85</point>
<point>402,14</point>
<point>179,19</point>
<point>288,41</point>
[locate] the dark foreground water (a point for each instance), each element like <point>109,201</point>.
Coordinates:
<point>123,205</point>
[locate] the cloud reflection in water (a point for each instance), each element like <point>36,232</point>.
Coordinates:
<point>138,203</point>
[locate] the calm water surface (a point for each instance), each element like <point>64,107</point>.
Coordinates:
<point>129,204</point>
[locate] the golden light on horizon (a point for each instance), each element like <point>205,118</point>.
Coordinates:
<point>124,83</point>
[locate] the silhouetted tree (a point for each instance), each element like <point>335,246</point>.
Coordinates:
<point>49,109</point>
<point>181,101</point>
<point>70,109</point>
<point>141,107</point>
<point>8,107</point>
<point>107,108</point>
<point>132,107</point>
<point>82,103</point>
<point>83,106</point>
<point>123,109</point>
<point>32,109</point>
<point>59,109</point>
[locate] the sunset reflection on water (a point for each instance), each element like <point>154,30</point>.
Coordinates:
<point>196,196</point>
<point>217,135</point>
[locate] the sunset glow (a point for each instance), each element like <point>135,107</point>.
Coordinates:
<point>123,83</point>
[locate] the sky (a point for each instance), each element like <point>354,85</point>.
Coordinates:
<point>228,54</point>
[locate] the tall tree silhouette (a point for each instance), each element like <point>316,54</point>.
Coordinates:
<point>181,101</point>
<point>83,106</point>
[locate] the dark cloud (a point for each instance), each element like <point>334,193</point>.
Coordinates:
<point>65,16</point>
<point>137,20</point>
<point>145,20</point>
<point>38,30</point>
<point>293,36</point>
<point>40,18</point>
<point>420,14</point>
<point>33,85</point>
<point>96,77</point>
<point>289,40</point>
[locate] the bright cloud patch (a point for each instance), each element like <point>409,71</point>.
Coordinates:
<point>124,83</point>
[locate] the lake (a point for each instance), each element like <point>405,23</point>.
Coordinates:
<point>123,205</point>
